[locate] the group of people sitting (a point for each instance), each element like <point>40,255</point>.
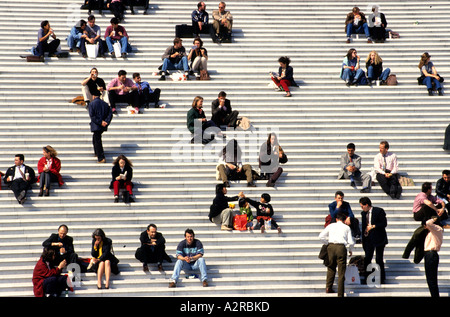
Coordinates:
<point>50,278</point>
<point>374,27</point>
<point>385,170</point>
<point>20,177</point>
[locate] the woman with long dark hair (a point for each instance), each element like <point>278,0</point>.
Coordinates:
<point>270,156</point>
<point>122,173</point>
<point>285,76</point>
<point>105,262</point>
<point>429,75</point>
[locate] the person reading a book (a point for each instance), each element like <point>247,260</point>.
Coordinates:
<point>122,173</point>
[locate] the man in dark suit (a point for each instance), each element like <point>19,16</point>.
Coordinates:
<point>62,244</point>
<point>101,116</point>
<point>152,248</point>
<point>222,114</point>
<point>374,238</point>
<point>19,178</point>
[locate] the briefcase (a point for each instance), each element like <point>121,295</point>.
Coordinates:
<point>184,30</point>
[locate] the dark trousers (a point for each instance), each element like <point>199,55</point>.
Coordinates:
<point>425,213</point>
<point>206,29</point>
<point>337,257</point>
<point>117,9</point>
<point>55,285</point>
<point>131,98</point>
<point>98,145</point>
<point>431,272</point>
<point>390,185</point>
<point>19,185</point>
<point>151,254</point>
<point>369,249</point>
<point>46,179</point>
<point>101,47</point>
<point>273,177</point>
<point>145,97</point>
<point>50,47</point>
<point>417,241</point>
<point>95,5</point>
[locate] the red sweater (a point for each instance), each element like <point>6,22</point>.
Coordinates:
<point>40,273</point>
<point>54,168</point>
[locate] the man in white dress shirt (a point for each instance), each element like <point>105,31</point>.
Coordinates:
<point>338,237</point>
<point>19,178</point>
<point>386,169</point>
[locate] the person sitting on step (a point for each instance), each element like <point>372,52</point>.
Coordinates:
<point>122,174</point>
<point>49,167</point>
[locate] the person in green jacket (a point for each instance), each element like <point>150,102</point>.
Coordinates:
<point>197,123</point>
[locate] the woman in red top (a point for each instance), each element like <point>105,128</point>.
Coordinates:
<point>48,280</point>
<point>48,169</point>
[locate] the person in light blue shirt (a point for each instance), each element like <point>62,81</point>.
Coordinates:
<point>351,71</point>
<point>189,258</point>
<point>77,32</point>
<point>146,93</point>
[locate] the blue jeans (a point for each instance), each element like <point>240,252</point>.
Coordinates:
<point>182,64</point>
<point>126,48</point>
<point>73,42</point>
<point>384,75</point>
<point>429,82</point>
<point>363,29</point>
<point>200,264</point>
<point>349,76</point>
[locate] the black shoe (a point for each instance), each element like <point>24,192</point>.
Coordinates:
<point>251,184</point>
<point>430,92</point>
<point>126,197</point>
<point>352,184</point>
<point>440,92</point>
<point>116,199</point>
<point>365,190</point>
<point>163,77</point>
<point>226,184</point>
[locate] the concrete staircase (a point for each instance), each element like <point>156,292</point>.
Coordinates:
<point>174,187</point>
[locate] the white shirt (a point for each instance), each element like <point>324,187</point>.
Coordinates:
<point>391,163</point>
<point>17,174</point>
<point>337,233</point>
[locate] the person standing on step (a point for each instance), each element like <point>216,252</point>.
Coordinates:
<point>285,76</point>
<point>122,89</point>
<point>19,178</point>
<point>338,238</point>
<point>122,174</point>
<point>386,169</point>
<point>433,243</point>
<point>429,75</point>
<point>101,116</point>
<point>49,167</point>
<point>190,257</point>
<point>152,249</point>
<point>351,169</point>
<point>374,238</point>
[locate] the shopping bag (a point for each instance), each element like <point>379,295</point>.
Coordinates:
<point>117,49</point>
<point>92,50</point>
<point>352,275</point>
<point>240,222</point>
